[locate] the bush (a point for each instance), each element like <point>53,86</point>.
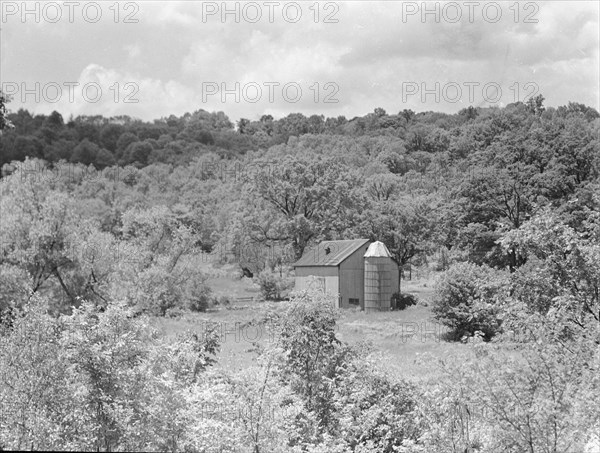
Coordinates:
<point>467,300</point>
<point>200,298</point>
<point>97,379</point>
<point>221,301</point>
<point>400,301</point>
<point>272,286</point>
<point>375,411</point>
<point>497,398</point>
<point>351,404</point>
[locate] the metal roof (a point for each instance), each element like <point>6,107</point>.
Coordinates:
<point>338,252</point>
<point>378,249</point>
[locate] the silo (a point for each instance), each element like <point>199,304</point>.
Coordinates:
<point>378,277</point>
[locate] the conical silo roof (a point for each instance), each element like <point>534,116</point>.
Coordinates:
<point>378,249</point>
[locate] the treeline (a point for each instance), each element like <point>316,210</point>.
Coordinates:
<point>123,140</point>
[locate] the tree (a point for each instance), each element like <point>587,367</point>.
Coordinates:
<point>35,231</point>
<point>487,205</point>
<point>54,121</point>
<point>311,195</point>
<point>27,146</point>
<point>109,136</point>
<point>158,268</point>
<point>295,124</point>
<point>566,268</point>
<point>85,152</point>
<point>381,186</point>
<point>124,141</point>
<point>577,109</point>
<point>104,158</point>
<point>469,113</point>
<point>535,105</point>
<point>137,153</point>
<point>404,226</point>
<point>408,114</point>
<point>379,112</point>
<point>242,124</point>
<point>5,123</point>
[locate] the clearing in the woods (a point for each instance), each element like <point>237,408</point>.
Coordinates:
<point>410,340</point>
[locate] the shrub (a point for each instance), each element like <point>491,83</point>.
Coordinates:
<point>539,400</point>
<point>272,286</point>
<point>224,300</point>
<point>200,297</point>
<point>351,404</point>
<point>220,301</point>
<point>467,299</point>
<point>374,410</point>
<point>306,334</point>
<point>100,379</point>
<point>401,300</point>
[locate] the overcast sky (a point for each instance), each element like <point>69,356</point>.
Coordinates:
<point>347,58</point>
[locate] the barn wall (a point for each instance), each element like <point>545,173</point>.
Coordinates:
<point>307,277</point>
<point>352,277</point>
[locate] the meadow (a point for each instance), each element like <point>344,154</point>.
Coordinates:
<point>410,341</point>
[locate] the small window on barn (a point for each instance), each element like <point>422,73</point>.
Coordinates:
<point>352,301</point>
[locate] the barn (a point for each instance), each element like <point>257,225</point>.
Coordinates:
<point>359,273</point>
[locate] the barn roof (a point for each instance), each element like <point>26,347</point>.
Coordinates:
<point>338,252</point>
<point>378,249</point>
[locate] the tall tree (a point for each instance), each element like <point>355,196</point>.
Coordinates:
<point>315,197</point>
<point>404,226</point>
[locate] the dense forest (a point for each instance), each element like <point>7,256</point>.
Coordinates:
<point>104,220</point>
<point>420,182</point>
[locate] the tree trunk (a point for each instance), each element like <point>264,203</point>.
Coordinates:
<point>399,279</point>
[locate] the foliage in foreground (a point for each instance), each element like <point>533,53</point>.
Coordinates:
<point>95,379</point>
<point>105,379</point>
<point>541,397</point>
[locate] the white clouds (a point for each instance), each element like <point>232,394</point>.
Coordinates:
<point>369,54</point>
<point>109,92</point>
<point>170,13</point>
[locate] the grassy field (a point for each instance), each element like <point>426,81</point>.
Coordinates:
<point>409,339</point>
